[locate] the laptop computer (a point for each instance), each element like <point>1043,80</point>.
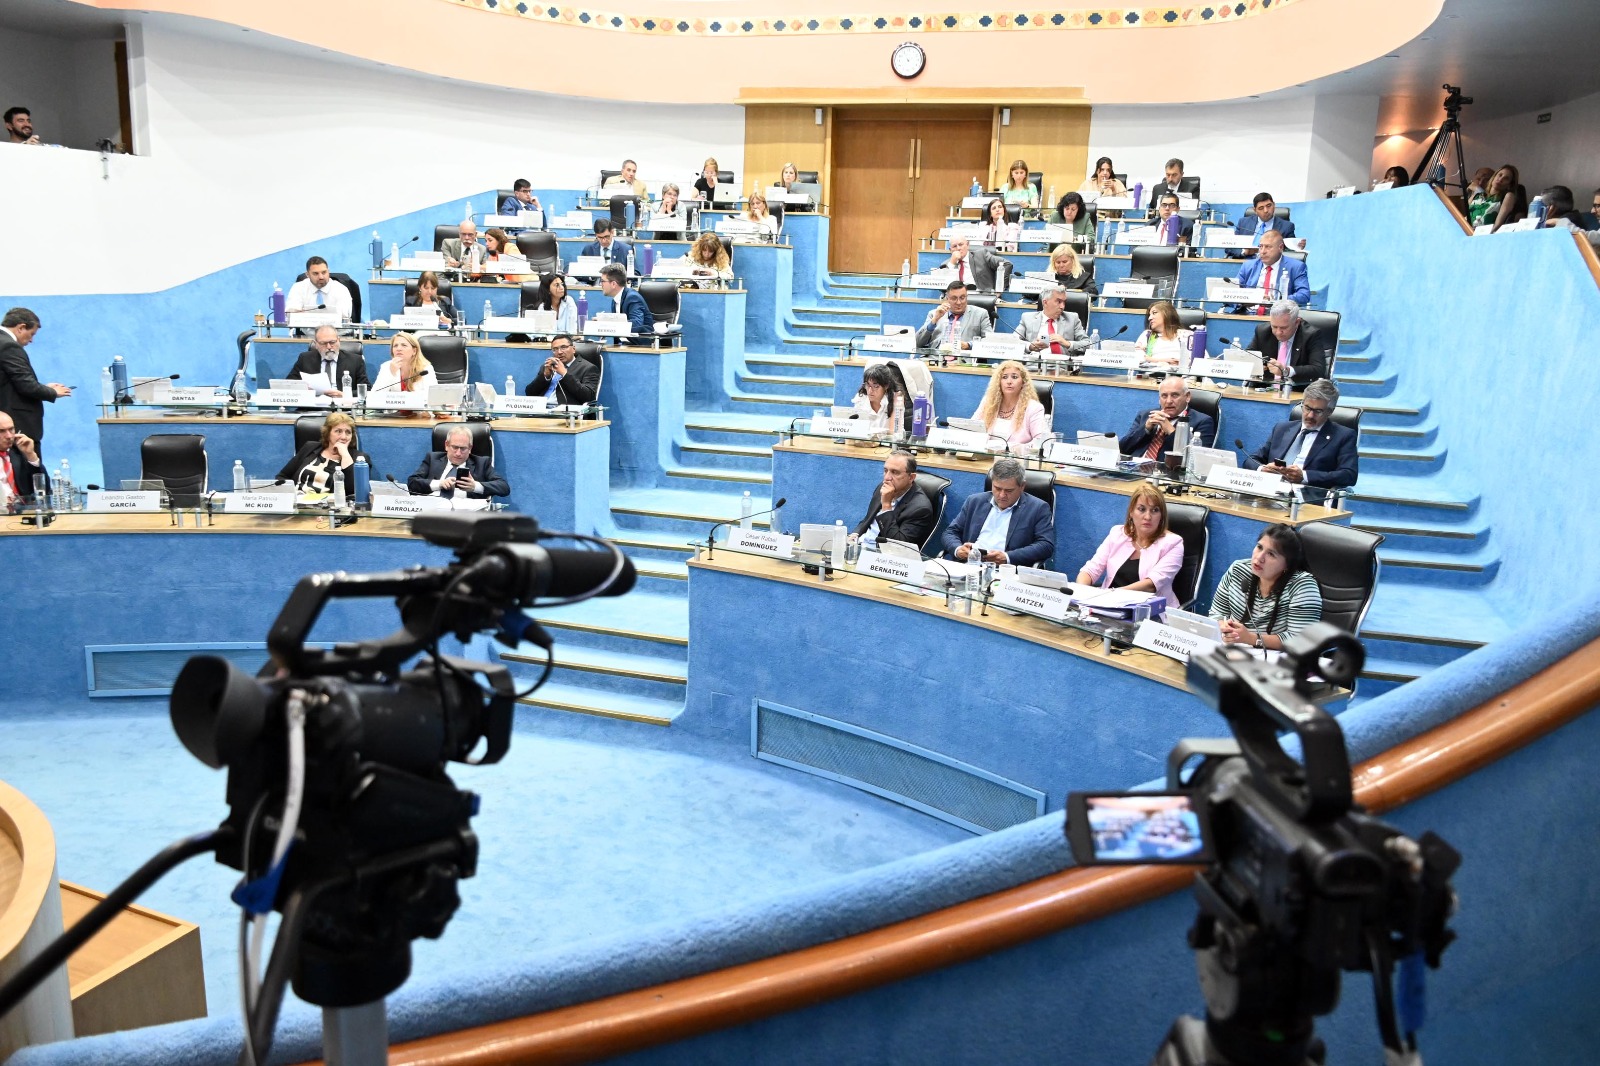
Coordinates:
<point>1206,458</point>
<point>971,425</point>
<point>1090,439</point>
<point>445,395</point>
<point>816,537</point>
<point>1200,625</point>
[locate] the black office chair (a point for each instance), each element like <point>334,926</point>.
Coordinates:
<point>986,300</point>
<point>1047,394</point>
<point>411,297</point>
<point>448,355</point>
<point>594,353</point>
<point>1208,402</point>
<point>808,177</point>
<point>607,175</point>
<point>1188,520</point>
<point>1123,178</point>
<point>725,177</point>
<point>353,346</point>
<point>727,246</point>
<point>444,233</point>
<point>501,196</point>
<point>349,283</point>
<point>1344,560</point>
<point>933,487</point>
<point>530,297</point>
<point>482,443</point>
<point>1189,185</point>
<point>1326,323</point>
<point>1155,263</point>
<point>178,461</point>
<point>1078,304</point>
<point>243,341</point>
<point>1348,417</point>
<point>619,211</point>
<point>1013,213</point>
<point>777,213</point>
<point>1191,317</point>
<point>1281,212</point>
<point>661,296</point>
<point>539,248</point>
<point>1040,483</point>
<point>1036,179</point>
<point>308,428</point>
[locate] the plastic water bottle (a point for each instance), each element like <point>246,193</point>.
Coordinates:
<point>278,303</point>
<point>488,310</point>
<point>630,215</point>
<point>346,384</point>
<point>119,377</point>
<point>108,388</point>
<point>57,502</point>
<point>511,385</point>
<point>241,390</point>
<point>976,190</point>
<point>747,507</point>
<point>469,210</point>
<point>339,502</point>
<point>363,476</point>
<point>974,581</point>
<point>241,480</point>
<point>583,309</point>
<point>631,270</point>
<point>394,255</point>
<point>905,272</point>
<point>836,554</point>
<point>1094,340</point>
<point>647,262</point>
<point>1536,211</point>
<point>919,415</point>
<point>1049,204</point>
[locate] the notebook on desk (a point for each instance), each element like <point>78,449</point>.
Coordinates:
<point>289,383</point>
<point>971,425</point>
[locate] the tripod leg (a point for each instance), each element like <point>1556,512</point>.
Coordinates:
<point>355,1036</point>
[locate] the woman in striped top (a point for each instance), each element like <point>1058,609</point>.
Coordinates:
<point>1269,596</point>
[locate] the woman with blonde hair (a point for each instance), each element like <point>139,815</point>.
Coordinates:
<point>708,261</point>
<point>758,212</point>
<point>313,467</point>
<point>1011,409</point>
<point>407,370</point>
<point>706,183</point>
<point>1142,554</point>
<point>1070,272</point>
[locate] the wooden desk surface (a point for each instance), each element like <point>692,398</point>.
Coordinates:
<point>423,421</point>
<point>874,452</point>
<point>82,522</point>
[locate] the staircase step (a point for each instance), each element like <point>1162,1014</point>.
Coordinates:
<point>773,379</point>
<point>637,616</point>
<point>1422,534</point>
<point>736,422</point>
<point>711,473</point>
<point>1462,617</point>
<point>1395,670</point>
<point>852,297</point>
<point>810,362</point>
<point>662,571</point>
<point>1393,490</point>
<point>696,508</point>
<point>627,707</point>
<point>835,311</point>
<point>826,327</point>
<point>615,663</point>
<point>782,401</point>
<point>644,546</point>
<point>746,451</point>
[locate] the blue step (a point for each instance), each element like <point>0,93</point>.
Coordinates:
<point>656,546</point>
<point>777,383</point>
<point>734,427</point>
<point>1459,615</point>
<point>556,697</point>
<point>809,365</point>
<point>1419,434</point>
<point>717,480</point>
<point>1400,461</point>
<point>1364,384</point>
<point>1439,569</point>
<point>634,674</point>
<point>1427,533</point>
<point>1390,496</point>
<point>1388,411</point>
<point>676,510</point>
<point>767,403</point>
<point>1420,655</point>
<point>739,458</point>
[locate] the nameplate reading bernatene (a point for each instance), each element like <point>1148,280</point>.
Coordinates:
<point>122,501</point>
<point>1167,640</point>
<point>761,542</point>
<point>1032,599</point>
<point>258,503</point>
<point>1255,482</point>
<point>1139,235</point>
<point>891,567</point>
<point>1116,203</point>
<point>408,505</point>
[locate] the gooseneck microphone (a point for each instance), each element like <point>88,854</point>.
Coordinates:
<point>126,396</point>
<point>712,533</point>
<point>1005,442</point>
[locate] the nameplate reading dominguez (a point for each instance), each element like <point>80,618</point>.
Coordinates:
<point>760,542</point>
<point>1032,599</point>
<point>407,505</point>
<point>1251,481</point>
<point>1170,641</point>
<point>258,503</point>
<point>879,564</point>
<point>122,501</point>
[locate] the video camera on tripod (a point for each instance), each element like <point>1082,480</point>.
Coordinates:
<point>1299,884</point>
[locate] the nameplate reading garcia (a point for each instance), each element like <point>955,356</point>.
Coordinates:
<point>1032,599</point>
<point>122,501</point>
<point>892,567</point>
<point>778,545</point>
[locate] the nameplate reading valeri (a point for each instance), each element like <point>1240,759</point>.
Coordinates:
<point>122,501</point>
<point>760,542</point>
<point>408,505</point>
<point>892,567</point>
<point>1252,481</point>
<point>258,503</point>
<point>1166,640</point>
<point>1032,599</point>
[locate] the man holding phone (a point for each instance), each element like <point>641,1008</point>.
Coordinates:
<point>22,394</point>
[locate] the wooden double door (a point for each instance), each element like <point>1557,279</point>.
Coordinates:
<point>895,174</point>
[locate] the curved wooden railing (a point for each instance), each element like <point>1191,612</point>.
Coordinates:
<point>1585,249</point>
<point>30,917</point>
<point>681,1009</point>
<point>1450,205</point>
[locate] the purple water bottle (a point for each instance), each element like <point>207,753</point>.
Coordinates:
<point>1138,194</point>
<point>1197,346</point>
<point>919,415</point>
<point>279,305</point>
<point>583,309</point>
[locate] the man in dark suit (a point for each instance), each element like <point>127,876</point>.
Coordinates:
<point>1003,525</point>
<point>1152,430</point>
<point>606,245</point>
<point>975,265</point>
<point>1173,227</point>
<point>614,283</point>
<point>565,378</point>
<point>1291,348</point>
<point>1313,454</point>
<point>898,510</point>
<point>1172,184</point>
<point>457,472</point>
<point>326,357</point>
<point>22,394</point>
<point>19,461</point>
<point>1263,216</point>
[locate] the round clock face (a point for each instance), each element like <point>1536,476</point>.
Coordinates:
<point>908,60</point>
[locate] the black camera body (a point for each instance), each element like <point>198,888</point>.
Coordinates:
<point>1298,884</point>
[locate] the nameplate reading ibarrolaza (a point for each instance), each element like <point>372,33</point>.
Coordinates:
<point>402,506</point>
<point>1167,640</point>
<point>1032,599</point>
<point>258,503</point>
<point>761,542</point>
<point>1255,482</point>
<point>891,567</point>
<point>122,501</point>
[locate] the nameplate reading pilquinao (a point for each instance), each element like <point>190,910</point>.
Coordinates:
<point>892,567</point>
<point>1032,599</point>
<point>1166,640</point>
<point>122,501</point>
<point>761,542</point>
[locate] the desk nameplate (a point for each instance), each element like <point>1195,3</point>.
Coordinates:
<point>892,567</point>
<point>1129,290</point>
<point>761,542</point>
<point>1170,641</point>
<point>1237,479</point>
<point>121,502</point>
<point>290,398</point>
<point>1032,599</point>
<point>258,503</point>
<point>402,506</point>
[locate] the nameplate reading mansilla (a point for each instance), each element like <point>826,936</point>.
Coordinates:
<point>122,501</point>
<point>1251,481</point>
<point>777,545</point>
<point>1166,640</point>
<point>1032,599</point>
<point>892,567</point>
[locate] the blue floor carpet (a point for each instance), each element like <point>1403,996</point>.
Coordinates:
<point>578,838</point>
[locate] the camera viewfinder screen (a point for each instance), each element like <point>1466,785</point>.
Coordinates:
<point>1148,828</point>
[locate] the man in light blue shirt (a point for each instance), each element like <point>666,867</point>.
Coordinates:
<point>1003,525</point>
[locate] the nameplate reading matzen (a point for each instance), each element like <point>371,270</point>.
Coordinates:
<point>408,505</point>
<point>290,398</point>
<point>258,503</point>
<point>1113,360</point>
<point>1166,640</point>
<point>843,427</point>
<point>1032,599</point>
<point>959,440</point>
<point>1136,290</point>
<point>122,501</point>
<point>1255,482</point>
<point>520,405</point>
<point>1077,455</point>
<point>761,542</point>
<point>892,567</point>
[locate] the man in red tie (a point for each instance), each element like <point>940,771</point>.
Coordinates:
<point>19,460</point>
<point>1053,328</point>
<point>976,268</point>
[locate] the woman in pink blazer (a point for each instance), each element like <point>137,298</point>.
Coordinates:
<point>1141,555</point>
